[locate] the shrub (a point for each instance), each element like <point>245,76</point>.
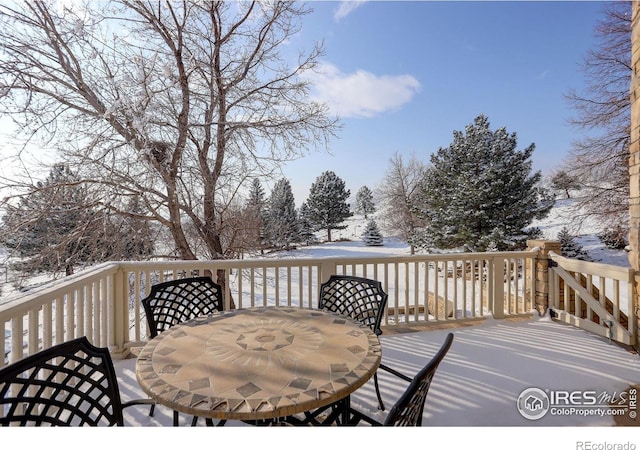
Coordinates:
<point>372,235</point>
<point>614,237</point>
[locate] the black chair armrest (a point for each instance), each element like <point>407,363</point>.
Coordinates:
<point>396,373</point>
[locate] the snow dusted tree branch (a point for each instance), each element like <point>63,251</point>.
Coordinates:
<point>176,104</point>
<point>599,160</point>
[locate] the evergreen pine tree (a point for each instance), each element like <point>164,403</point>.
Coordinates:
<point>480,189</point>
<point>327,203</point>
<point>57,226</point>
<point>307,230</point>
<point>616,237</point>
<point>255,215</point>
<point>371,235</point>
<point>281,227</point>
<point>42,229</point>
<point>364,202</point>
<point>570,248</point>
<point>564,182</point>
<point>256,199</point>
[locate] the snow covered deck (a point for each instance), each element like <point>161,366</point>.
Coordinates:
<point>480,379</point>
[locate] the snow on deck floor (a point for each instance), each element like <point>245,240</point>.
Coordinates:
<point>480,379</point>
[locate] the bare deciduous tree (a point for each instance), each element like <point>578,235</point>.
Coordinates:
<point>175,104</point>
<point>562,181</point>
<point>397,195</point>
<point>600,160</point>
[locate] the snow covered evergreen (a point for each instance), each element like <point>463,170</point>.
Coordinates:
<point>57,227</point>
<point>570,248</point>
<point>480,191</point>
<point>364,202</point>
<point>307,230</point>
<point>256,215</point>
<point>281,228</point>
<point>371,235</point>
<point>327,202</point>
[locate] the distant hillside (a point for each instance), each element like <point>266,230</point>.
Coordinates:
<point>586,233</point>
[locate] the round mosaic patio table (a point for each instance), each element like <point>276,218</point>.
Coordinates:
<point>258,363</point>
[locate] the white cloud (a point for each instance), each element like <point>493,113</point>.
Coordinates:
<point>542,75</point>
<point>362,93</point>
<point>347,7</point>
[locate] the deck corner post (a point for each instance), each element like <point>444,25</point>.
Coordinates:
<point>542,263</point>
<point>120,315</point>
<point>327,268</point>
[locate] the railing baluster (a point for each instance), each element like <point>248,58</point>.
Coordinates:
<point>17,345</point>
<point>3,349</point>
<point>47,325</point>
<point>276,276</point>
<point>32,331</point>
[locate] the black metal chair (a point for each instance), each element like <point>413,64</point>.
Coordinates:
<point>362,299</point>
<point>177,301</point>
<point>408,410</point>
<point>69,384</point>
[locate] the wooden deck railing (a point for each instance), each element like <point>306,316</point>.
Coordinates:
<point>594,296</point>
<point>104,303</point>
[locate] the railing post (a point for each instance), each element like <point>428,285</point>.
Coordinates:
<point>120,315</point>
<point>497,281</point>
<point>327,268</point>
<point>542,287</point>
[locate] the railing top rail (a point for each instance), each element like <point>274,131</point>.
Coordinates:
<point>264,261</point>
<point>51,290</point>
<point>593,268</point>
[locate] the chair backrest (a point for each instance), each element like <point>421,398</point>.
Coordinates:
<point>177,301</point>
<point>408,409</point>
<point>72,384</point>
<point>362,299</point>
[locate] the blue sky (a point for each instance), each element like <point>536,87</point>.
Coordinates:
<point>404,75</point>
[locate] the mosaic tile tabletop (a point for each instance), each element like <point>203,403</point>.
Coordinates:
<point>258,363</point>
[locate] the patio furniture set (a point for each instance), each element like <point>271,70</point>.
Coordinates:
<point>262,365</point>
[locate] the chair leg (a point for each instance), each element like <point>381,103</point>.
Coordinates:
<point>176,422</point>
<point>194,421</point>
<point>375,382</point>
